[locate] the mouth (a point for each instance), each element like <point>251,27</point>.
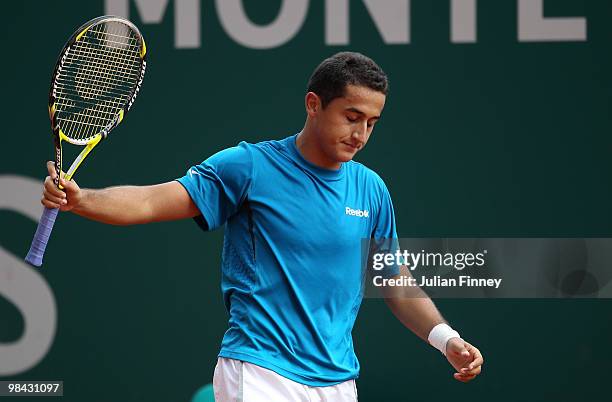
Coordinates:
<point>351,146</point>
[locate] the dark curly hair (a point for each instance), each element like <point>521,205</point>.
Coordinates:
<point>331,77</point>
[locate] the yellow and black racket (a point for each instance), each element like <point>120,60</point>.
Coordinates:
<point>95,82</point>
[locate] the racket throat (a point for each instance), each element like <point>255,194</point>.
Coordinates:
<point>58,159</point>
<point>79,159</point>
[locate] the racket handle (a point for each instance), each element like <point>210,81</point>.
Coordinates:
<point>41,237</point>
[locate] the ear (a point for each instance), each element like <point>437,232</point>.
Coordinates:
<point>313,104</point>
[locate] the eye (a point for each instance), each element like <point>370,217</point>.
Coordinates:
<point>351,119</point>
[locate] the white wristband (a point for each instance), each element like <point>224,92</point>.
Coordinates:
<point>440,335</point>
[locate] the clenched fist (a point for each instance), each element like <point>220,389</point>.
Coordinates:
<point>53,197</point>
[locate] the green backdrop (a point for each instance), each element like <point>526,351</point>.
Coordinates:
<point>495,138</point>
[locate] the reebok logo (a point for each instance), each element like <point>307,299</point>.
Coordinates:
<point>356,212</point>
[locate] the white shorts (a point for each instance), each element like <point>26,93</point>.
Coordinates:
<point>238,381</point>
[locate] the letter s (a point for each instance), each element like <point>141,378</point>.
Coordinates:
<point>25,287</point>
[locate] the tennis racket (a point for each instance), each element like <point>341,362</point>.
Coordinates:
<point>95,82</point>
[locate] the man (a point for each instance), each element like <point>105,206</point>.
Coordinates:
<point>294,212</point>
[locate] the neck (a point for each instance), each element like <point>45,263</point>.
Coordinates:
<point>310,148</point>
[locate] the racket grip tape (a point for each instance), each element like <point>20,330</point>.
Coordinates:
<point>41,237</point>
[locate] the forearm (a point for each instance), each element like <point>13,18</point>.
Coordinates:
<point>412,306</point>
<point>122,205</point>
<point>418,314</point>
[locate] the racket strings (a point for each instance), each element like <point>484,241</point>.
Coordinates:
<point>95,113</point>
<point>115,59</point>
<point>109,70</point>
<point>97,78</point>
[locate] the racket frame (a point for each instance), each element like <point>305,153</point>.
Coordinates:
<point>45,226</point>
<point>91,142</point>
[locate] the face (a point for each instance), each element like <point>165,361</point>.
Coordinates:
<point>344,126</point>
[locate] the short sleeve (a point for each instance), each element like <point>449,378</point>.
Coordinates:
<point>384,236</point>
<point>219,185</point>
<point>384,227</point>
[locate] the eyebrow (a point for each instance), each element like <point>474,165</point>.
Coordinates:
<point>359,112</point>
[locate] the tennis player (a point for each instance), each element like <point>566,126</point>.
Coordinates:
<point>294,211</point>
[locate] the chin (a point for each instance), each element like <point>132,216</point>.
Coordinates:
<point>345,156</point>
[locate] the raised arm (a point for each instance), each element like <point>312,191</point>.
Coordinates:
<point>122,205</point>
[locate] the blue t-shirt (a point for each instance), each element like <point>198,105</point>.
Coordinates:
<point>292,277</point>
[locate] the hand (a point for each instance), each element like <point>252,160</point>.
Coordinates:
<point>465,358</point>
<point>53,197</point>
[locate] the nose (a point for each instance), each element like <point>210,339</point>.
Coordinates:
<point>360,132</point>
